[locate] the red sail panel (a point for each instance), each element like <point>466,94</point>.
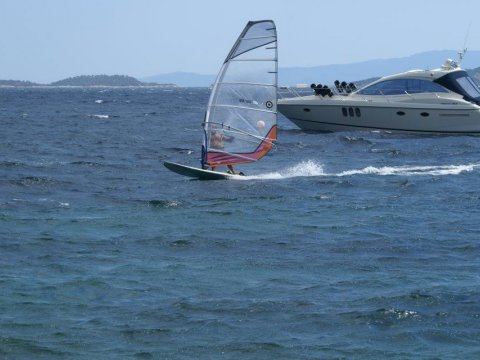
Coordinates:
<point>218,158</point>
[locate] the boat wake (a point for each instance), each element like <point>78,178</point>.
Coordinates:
<point>411,170</point>
<point>311,168</point>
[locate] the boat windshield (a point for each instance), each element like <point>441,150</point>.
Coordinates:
<point>462,84</point>
<point>402,87</point>
<point>469,86</point>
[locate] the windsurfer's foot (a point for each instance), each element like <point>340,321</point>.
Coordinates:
<point>234,173</point>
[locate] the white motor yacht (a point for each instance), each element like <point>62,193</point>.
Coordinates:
<point>444,100</point>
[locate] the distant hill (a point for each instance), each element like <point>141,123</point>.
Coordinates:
<point>327,74</point>
<point>475,74</point>
<point>183,79</point>
<point>287,76</point>
<point>101,80</point>
<point>89,80</point>
<point>17,83</point>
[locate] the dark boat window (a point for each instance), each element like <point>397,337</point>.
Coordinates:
<point>469,86</point>
<point>344,111</point>
<point>461,83</point>
<point>357,112</point>
<point>350,111</point>
<point>402,86</point>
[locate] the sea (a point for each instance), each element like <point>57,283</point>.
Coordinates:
<point>347,245</point>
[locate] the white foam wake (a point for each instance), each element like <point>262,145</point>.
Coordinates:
<point>100,116</point>
<point>410,170</point>
<point>311,168</point>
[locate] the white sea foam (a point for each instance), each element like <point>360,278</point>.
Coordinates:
<point>410,170</point>
<point>98,116</point>
<point>98,101</point>
<point>311,168</point>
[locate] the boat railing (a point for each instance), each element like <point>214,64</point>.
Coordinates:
<point>388,99</point>
<point>339,89</point>
<point>285,92</point>
<point>387,95</point>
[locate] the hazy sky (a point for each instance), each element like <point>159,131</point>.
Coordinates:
<point>47,40</point>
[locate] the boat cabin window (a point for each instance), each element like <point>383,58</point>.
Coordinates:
<point>402,87</point>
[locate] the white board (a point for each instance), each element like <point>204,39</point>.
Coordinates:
<point>196,172</point>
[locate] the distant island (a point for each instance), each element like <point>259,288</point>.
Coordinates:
<point>87,81</point>
<point>17,83</point>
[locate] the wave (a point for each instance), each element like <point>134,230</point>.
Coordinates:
<point>162,204</point>
<point>100,116</point>
<point>10,163</point>
<point>36,163</point>
<point>311,168</point>
<point>38,202</point>
<point>86,163</point>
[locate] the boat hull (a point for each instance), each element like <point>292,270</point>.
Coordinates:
<point>327,117</point>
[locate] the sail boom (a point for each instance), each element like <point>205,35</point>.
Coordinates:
<point>221,157</point>
<point>230,128</point>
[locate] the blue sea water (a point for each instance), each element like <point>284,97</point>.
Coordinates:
<point>361,245</point>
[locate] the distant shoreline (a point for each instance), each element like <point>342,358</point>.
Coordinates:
<point>96,81</point>
<point>48,86</point>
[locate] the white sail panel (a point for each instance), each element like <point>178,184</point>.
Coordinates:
<point>258,34</point>
<point>259,97</point>
<point>256,72</point>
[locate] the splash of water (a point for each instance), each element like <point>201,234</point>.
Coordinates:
<point>303,169</point>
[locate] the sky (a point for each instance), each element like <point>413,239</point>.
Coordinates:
<point>49,40</point>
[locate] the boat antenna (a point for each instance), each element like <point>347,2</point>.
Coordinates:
<point>461,54</point>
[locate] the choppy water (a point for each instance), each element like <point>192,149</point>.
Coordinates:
<point>336,246</point>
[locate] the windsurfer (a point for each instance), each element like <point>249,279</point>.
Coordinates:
<point>217,141</point>
<point>230,170</point>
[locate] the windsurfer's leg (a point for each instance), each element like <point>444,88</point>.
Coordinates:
<point>213,168</point>
<point>230,167</point>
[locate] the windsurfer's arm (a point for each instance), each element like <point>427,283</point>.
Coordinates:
<point>228,138</point>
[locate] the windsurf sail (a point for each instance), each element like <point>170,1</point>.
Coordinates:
<point>241,119</point>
